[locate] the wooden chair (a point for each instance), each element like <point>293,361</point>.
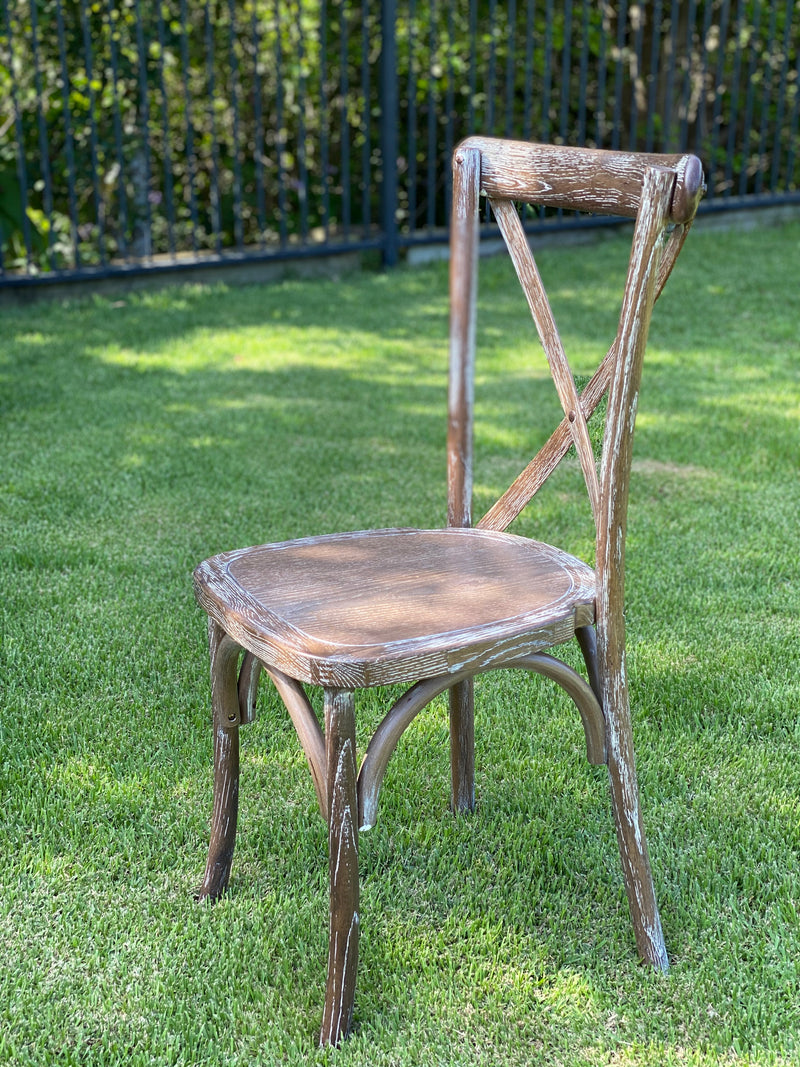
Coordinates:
<point>433,608</point>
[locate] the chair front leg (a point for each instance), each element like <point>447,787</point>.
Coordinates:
<point>340,745</point>
<point>462,745</point>
<point>225,703</point>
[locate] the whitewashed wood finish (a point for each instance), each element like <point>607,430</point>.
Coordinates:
<point>582,179</point>
<point>224,655</point>
<point>464,242</point>
<point>615,471</point>
<point>377,607</point>
<point>247,687</point>
<point>520,493</point>
<point>368,608</point>
<point>411,703</point>
<point>517,243</point>
<point>340,735</point>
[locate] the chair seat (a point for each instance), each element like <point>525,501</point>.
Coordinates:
<point>381,606</point>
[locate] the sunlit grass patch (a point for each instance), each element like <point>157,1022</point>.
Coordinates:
<point>139,436</point>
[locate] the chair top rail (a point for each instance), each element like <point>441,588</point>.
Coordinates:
<point>583,179</point>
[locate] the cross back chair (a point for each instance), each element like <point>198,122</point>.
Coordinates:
<point>433,608</point>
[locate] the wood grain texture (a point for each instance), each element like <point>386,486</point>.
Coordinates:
<point>224,654</point>
<point>464,241</point>
<point>340,740</point>
<point>461,700</point>
<point>410,704</point>
<point>383,606</point>
<point>249,677</point>
<point>436,607</point>
<point>582,179</point>
<point>615,471</point>
<point>520,493</point>
<point>529,278</point>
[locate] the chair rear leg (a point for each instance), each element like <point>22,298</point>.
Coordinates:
<point>462,745</point>
<point>636,868</point>
<point>225,703</point>
<point>340,745</point>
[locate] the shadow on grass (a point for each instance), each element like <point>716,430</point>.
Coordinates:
<point>139,438</point>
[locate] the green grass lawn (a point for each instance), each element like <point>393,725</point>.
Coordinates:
<point>140,435</point>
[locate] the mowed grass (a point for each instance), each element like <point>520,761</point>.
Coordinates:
<point>142,434</point>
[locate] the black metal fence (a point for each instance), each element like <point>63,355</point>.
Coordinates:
<point>144,134</point>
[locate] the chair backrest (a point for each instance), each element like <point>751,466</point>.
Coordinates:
<point>662,193</point>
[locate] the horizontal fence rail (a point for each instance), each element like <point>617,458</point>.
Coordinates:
<point>155,134</point>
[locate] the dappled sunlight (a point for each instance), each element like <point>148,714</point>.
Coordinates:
<point>142,435</point>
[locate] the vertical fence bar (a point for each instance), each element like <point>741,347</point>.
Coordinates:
<point>530,23</point>
<point>44,141</point>
<point>719,85</point>
<point>508,117</point>
<point>637,27</point>
<point>793,127</point>
<point>167,161</point>
<point>733,108</point>
<point>776,140</point>
<point>280,136</point>
<point>583,74</point>
<point>765,97</point>
<point>431,119</point>
<point>323,117</point>
<point>121,178</point>
<point>19,130</point>
<point>622,18</point>
<point>214,191</point>
<point>548,72</point>
<point>303,190</point>
<point>473,64</point>
<point>492,74</point>
<point>655,53</point>
<point>258,127</point>
<point>700,132</point>
<point>238,226</point>
<point>412,116</point>
<point>141,173</point>
<point>68,140</point>
<point>366,147</point>
<point>191,158</point>
<point>602,73</point>
<point>687,78</point>
<point>449,135</point>
<point>389,124</point>
<point>93,155</point>
<point>668,142</point>
<point>566,70</point>
<point>344,120</point>
<point>753,44</point>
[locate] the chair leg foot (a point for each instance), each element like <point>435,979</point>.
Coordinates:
<point>224,698</point>
<point>340,743</point>
<point>462,745</point>
<point>636,869</point>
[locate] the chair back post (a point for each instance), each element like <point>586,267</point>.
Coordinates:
<point>623,395</point>
<point>464,241</point>
<point>464,244</point>
<point>615,469</point>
